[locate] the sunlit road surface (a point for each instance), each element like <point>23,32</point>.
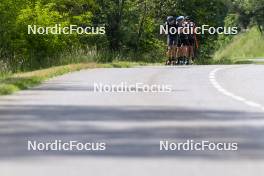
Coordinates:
<point>214,103</point>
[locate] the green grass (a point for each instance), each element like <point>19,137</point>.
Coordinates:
<point>244,46</point>
<point>6,89</point>
<point>21,81</point>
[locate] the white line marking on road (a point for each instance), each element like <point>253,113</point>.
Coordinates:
<point>212,78</point>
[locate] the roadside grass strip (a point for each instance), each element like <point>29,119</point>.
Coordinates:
<point>22,81</point>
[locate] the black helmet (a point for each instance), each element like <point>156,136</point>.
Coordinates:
<point>169,18</point>
<point>179,18</point>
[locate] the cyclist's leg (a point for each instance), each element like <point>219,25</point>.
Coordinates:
<point>192,49</point>
<point>181,51</point>
<point>178,52</point>
<point>185,48</point>
<point>170,49</point>
<point>174,58</point>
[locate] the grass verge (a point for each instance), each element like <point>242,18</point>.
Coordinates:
<point>21,81</point>
<point>243,49</point>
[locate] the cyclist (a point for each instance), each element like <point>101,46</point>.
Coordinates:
<point>171,40</point>
<point>191,38</point>
<point>182,40</point>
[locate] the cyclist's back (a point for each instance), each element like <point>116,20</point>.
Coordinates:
<point>171,23</point>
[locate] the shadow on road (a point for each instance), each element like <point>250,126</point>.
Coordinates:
<point>128,131</point>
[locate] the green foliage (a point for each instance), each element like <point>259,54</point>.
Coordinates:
<point>231,20</point>
<point>132,29</point>
<point>249,11</point>
<point>39,47</point>
<point>248,45</point>
<point>26,52</point>
<point>6,89</point>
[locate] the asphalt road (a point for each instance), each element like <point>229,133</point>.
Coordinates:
<point>214,103</point>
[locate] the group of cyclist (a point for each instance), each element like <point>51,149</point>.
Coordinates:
<point>183,43</point>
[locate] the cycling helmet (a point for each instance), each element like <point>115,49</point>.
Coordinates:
<point>179,18</point>
<point>187,18</point>
<point>170,19</point>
